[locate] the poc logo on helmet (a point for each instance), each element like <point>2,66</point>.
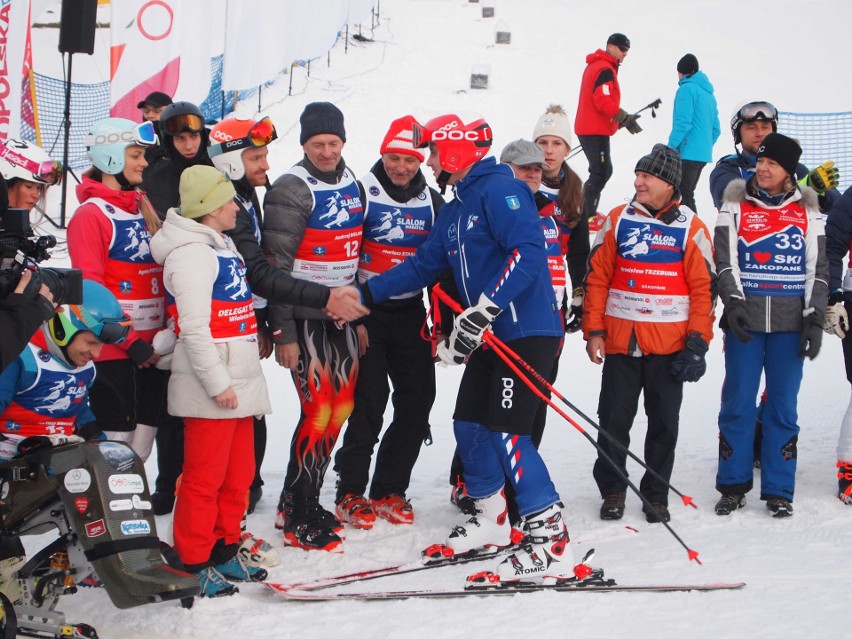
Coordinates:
<point>221,136</point>
<point>440,134</point>
<point>508,392</point>
<point>112,138</point>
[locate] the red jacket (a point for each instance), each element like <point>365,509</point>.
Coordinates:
<point>600,96</point>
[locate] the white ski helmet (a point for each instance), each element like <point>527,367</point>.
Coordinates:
<point>230,137</point>
<point>109,137</point>
<point>22,160</point>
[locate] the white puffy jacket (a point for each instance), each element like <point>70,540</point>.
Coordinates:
<point>201,368</point>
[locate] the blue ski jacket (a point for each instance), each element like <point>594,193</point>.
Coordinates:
<point>491,238</point>
<point>695,119</point>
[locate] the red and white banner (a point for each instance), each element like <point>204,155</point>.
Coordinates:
<point>161,45</point>
<point>15,59</point>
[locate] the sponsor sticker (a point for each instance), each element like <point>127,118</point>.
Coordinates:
<point>81,504</point>
<point>126,484</point>
<point>136,527</point>
<point>95,528</point>
<point>117,505</point>
<point>513,202</point>
<point>141,504</point>
<point>77,480</point>
<point>117,455</point>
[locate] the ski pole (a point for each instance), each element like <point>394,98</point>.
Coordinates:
<point>497,345</point>
<point>686,499</point>
<point>651,105</point>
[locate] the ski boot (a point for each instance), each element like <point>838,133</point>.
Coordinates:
<point>355,510</point>
<point>236,569</point>
<point>487,528</point>
<point>214,584</point>
<point>306,525</point>
<point>394,508</point>
<point>844,482</point>
<point>544,553</point>
<point>729,503</point>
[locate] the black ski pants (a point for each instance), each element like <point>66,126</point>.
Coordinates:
<point>624,378</point>
<point>691,171</point>
<point>596,148</point>
<point>396,352</point>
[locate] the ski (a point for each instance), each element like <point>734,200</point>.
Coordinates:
<point>602,585</point>
<point>375,573</point>
<point>417,566</point>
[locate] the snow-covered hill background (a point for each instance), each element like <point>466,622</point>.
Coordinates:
<point>791,53</point>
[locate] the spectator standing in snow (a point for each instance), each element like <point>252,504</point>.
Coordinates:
<point>649,320</point>
<point>599,116</point>
<point>399,212</point>
<point>838,239</point>
<point>216,384</point>
<point>750,125</point>
<point>695,125</point>
<point>563,187</point>
<point>773,319</point>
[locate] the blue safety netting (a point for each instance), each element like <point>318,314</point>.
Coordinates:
<point>90,103</point>
<point>823,136</point>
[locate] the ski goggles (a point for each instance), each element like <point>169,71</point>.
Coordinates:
<point>48,172</point>
<point>758,111</point>
<point>184,122</point>
<point>142,134</point>
<point>113,331</point>
<point>261,134</point>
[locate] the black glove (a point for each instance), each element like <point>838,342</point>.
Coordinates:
<point>628,121</point>
<point>689,365</point>
<point>89,431</point>
<point>467,331</point>
<point>811,338</point>
<point>574,314</point>
<point>737,317</point>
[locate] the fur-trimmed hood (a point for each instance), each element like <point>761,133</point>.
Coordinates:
<point>736,192</point>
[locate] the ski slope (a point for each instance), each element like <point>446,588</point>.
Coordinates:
<point>421,59</point>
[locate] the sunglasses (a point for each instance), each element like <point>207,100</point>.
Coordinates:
<point>758,111</point>
<point>261,134</point>
<point>183,122</point>
<point>624,49</point>
<point>48,172</point>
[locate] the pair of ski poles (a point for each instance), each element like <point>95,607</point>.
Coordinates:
<point>516,363</point>
<point>651,105</point>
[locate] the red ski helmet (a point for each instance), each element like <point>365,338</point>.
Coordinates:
<point>461,141</point>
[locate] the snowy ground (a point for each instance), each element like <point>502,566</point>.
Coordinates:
<point>421,62</point>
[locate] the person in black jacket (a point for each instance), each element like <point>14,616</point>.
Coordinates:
<point>244,160</point>
<point>184,140</point>
<point>21,314</point>
<point>399,210</point>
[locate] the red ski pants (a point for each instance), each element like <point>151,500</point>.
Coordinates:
<point>218,468</point>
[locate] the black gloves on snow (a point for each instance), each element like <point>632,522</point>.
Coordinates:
<point>689,365</point>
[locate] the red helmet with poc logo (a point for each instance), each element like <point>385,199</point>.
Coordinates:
<point>461,141</point>
<point>230,137</point>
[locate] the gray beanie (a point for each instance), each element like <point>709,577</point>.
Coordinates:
<point>319,118</point>
<point>662,162</point>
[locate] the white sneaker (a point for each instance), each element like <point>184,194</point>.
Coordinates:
<point>544,554</point>
<point>489,526</point>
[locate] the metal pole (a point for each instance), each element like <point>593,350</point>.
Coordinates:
<point>346,42</point>
<point>63,202</point>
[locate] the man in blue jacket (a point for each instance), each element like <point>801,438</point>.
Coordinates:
<point>695,125</point>
<point>490,236</point>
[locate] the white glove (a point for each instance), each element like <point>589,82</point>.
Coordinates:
<point>468,330</point>
<point>836,317</point>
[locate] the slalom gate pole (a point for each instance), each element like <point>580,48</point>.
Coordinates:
<point>501,350</point>
<point>497,343</point>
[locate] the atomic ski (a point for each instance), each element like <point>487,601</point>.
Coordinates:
<point>586,585</point>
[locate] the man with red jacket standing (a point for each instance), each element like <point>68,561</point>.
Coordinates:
<point>599,116</point>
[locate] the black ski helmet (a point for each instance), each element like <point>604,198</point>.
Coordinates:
<point>752,112</point>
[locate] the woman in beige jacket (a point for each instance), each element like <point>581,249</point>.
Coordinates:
<point>216,385</point>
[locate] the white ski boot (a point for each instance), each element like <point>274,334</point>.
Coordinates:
<point>488,528</point>
<point>544,554</point>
